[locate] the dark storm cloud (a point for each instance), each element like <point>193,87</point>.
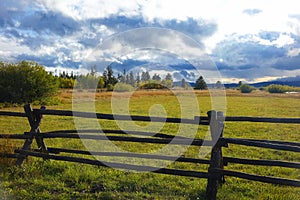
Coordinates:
<point>193,27</point>
<point>50,23</point>
<point>244,58</point>
<point>288,63</point>
<point>246,54</point>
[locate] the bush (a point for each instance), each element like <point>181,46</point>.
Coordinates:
<point>245,88</point>
<point>25,82</point>
<point>280,88</point>
<point>123,87</point>
<point>153,85</point>
<point>66,83</point>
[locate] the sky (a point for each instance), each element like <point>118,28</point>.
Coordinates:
<point>257,40</point>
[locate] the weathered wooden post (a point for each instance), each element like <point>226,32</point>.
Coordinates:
<point>34,120</point>
<point>216,122</point>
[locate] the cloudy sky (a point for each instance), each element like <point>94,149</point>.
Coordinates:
<point>253,40</point>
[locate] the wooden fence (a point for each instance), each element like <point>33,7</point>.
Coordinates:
<point>215,174</point>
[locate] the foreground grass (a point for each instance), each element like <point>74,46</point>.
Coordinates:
<point>39,179</point>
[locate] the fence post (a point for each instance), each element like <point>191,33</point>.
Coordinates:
<point>34,120</point>
<point>216,122</point>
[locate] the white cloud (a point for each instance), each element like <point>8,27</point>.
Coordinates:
<point>11,48</point>
<point>75,35</point>
<point>293,52</point>
<point>87,9</point>
<point>281,41</point>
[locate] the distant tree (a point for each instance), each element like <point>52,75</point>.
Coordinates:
<point>138,79</point>
<point>240,83</point>
<point>156,77</point>
<point>168,81</point>
<point>145,76</point>
<point>184,84</point>
<point>101,82</point>
<point>219,85</point>
<point>169,77</point>
<point>127,79</point>
<point>122,77</point>
<point>131,79</point>
<point>109,78</point>
<point>93,70</point>
<point>200,84</point>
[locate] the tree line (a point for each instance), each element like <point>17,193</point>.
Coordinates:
<point>107,80</point>
<point>26,81</point>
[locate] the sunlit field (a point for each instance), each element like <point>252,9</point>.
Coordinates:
<point>44,179</point>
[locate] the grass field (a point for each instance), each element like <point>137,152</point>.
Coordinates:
<point>39,179</point>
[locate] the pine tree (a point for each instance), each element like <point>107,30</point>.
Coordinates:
<point>131,79</point>
<point>219,85</point>
<point>138,79</point>
<point>156,77</point>
<point>183,83</point>
<point>200,84</point>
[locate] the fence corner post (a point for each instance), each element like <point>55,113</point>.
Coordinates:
<point>34,120</point>
<point>215,178</point>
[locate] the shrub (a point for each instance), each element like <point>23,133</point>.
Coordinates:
<point>123,87</point>
<point>280,88</point>
<point>66,83</point>
<point>25,82</point>
<point>153,85</point>
<point>245,88</point>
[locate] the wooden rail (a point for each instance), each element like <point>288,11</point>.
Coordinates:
<point>215,175</point>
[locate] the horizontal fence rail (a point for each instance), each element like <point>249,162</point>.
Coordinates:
<point>12,114</point>
<point>274,163</point>
<point>139,168</point>
<point>132,155</point>
<point>215,120</point>
<point>119,132</point>
<point>263,119</point>
<point>196,120</point>
<point>256,143</point>
<point>264,179</point>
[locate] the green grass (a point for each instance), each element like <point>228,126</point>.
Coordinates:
<point>39,179</point>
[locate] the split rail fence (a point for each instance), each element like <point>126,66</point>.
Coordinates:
<point>215,175</point>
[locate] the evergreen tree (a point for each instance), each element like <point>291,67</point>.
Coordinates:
<point>138,79</point>
<point>127,79</point>
<point>145,76</point>
<point>108,76</point>
<point>219,85</point>
<point>93,70</point>
<point>240,83</point>
<point>200,84</point>
<point>156,77</point>
<point>169,77</point>
<point>183,83</point>
<point>131,79</point>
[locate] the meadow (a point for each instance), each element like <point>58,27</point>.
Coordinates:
<point>44,179</point>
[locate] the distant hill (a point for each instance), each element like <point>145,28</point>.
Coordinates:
<point>290,81</point>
